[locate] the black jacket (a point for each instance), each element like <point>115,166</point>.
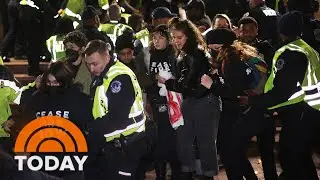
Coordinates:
<point>137,65</point>
<point>159,60</point>
<point>92,33</point>
<point>68,103</point>
<point>231,79</point>
<point>311,32</point>
<point>71,102</point>
<point>189,70</point>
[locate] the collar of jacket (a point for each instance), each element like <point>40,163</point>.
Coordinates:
<point>106,69</point>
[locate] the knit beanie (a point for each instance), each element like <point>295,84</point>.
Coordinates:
<point>220,36</point>
<point>291,24</point>
<point>124,41</point>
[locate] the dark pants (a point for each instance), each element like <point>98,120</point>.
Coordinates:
<point>8,42</point>
<point>33,30</point>
<point>114,163</point>
<point>166,143</point>
<point>266,144</point>
<point>4,15</point>
<point>6,144</point>
<point>235,131</point>
<point>201,118</point>
<point>299,134</point>
<point>147,161</point>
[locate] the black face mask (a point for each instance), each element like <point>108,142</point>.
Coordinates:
<point>54,89</point>
<point>72,55</point>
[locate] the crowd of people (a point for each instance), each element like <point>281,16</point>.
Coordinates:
<point>153,84</point>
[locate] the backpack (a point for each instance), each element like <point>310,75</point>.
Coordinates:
<point>259,70</point>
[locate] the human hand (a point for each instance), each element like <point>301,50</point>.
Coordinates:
<point>7,125</point>
<point>38,81</point>
<point>206,81</point>
<point>160,79</point>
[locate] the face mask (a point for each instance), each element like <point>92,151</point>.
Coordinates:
<point>72,55</point>
<point>54,89</point>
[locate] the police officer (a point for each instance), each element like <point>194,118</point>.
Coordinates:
<point>114,28</point>
<point>9,93</point>
<point>311,28</point>
<point>55,43</point>
<point>7,45</point>
<point>73,9</point>
<point>118,113</point>
<point>31,17</point>
<point>293,89</point>
<point>1,61</point>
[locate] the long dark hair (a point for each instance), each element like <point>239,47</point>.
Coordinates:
<point>195,40</point>
<point>61,72</point>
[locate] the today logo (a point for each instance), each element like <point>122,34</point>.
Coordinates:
<point>51,134</point>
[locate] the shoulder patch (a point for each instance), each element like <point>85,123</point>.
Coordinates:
<point>280,64</point>
<point>115,86</point>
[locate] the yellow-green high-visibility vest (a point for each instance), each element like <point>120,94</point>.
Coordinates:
<point>114,30</point>
<point>76,6</point>
<point>1,61</point>
<point>143,36</point>
<point>100,103</point>
<point>276,8</point>
<point>74,9</point>
<point>56,47</point>
<point>310,87</point>
<point>10,92</point>
<point>104,4</point>
<point>28,3</point>
<point>126,16</point>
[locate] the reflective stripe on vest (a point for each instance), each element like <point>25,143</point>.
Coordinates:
<point>56,47</point>
<point>76,6</point>
<point>1,61</point>
<point>309,90</point>
<point>113,30</point>
<point>104,4</point>
<point>100,104</point>
<point>13,86</point>
<point>28,3</point>
<point>143,36</point>
<point>126,16</point>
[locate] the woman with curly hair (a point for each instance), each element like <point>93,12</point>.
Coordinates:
<point>200,108</point>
